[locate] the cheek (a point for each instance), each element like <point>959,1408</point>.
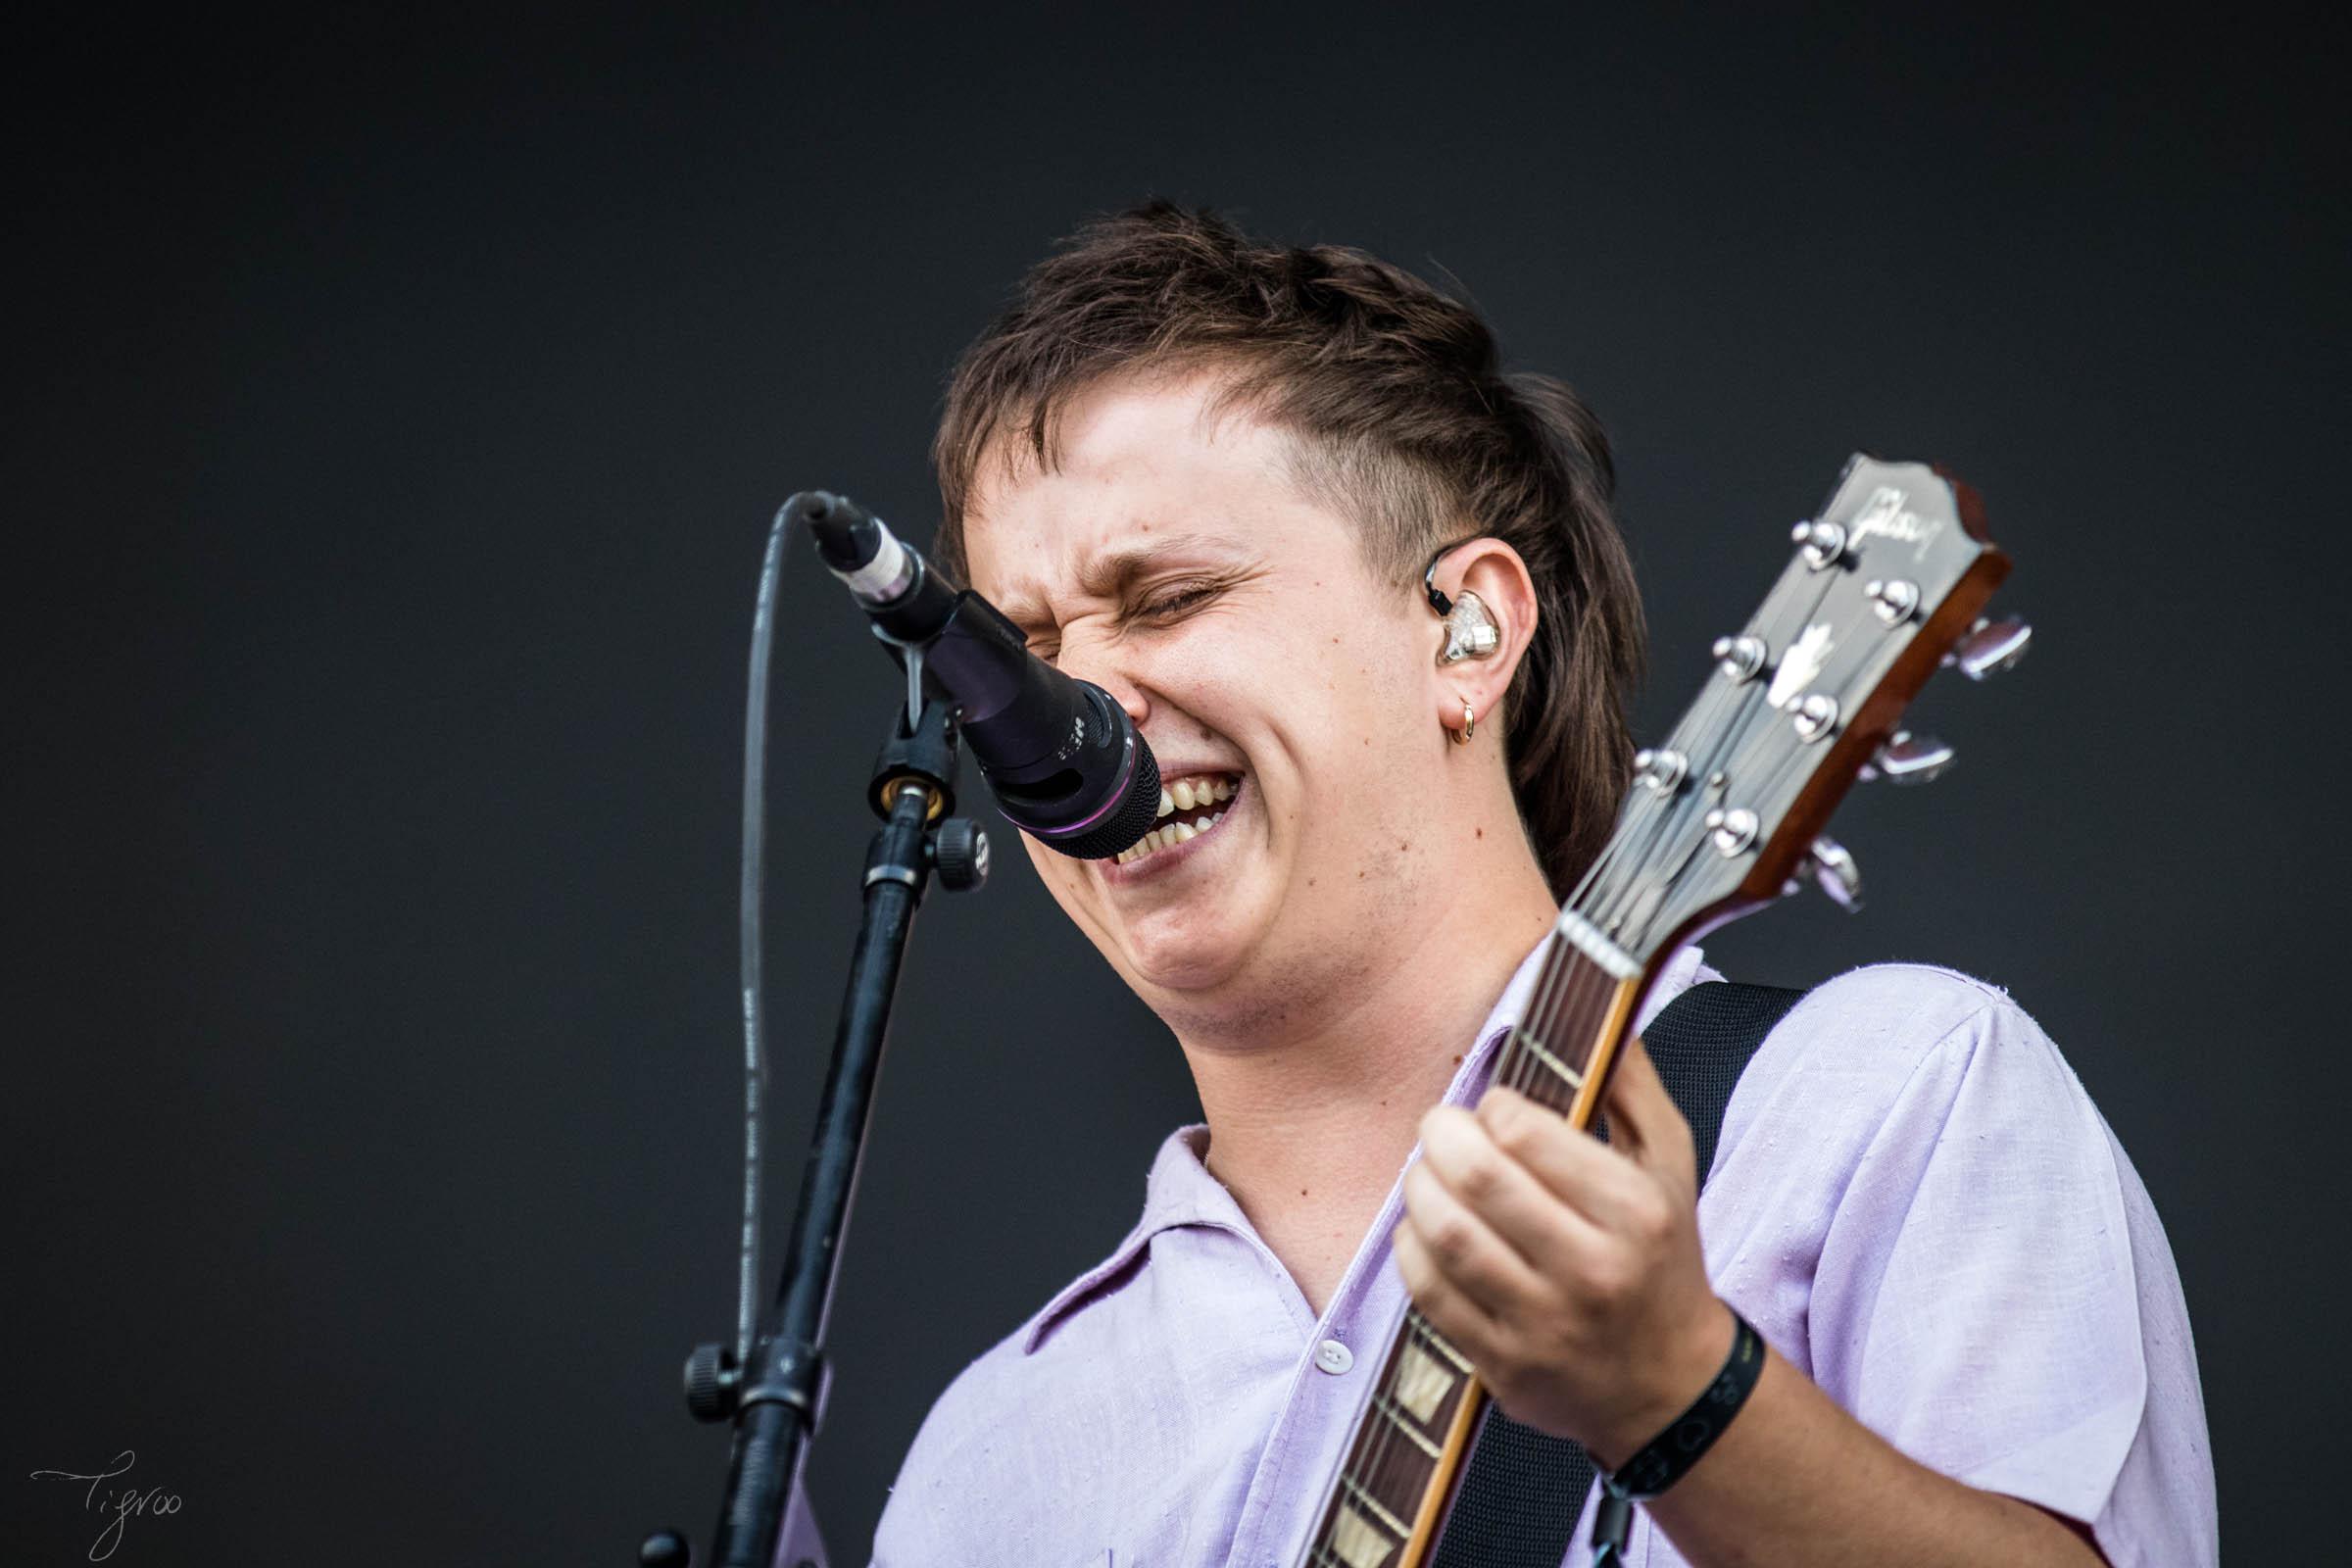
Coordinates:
<point>1062,876</point>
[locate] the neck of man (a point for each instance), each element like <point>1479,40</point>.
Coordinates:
<point>1312,1113</point>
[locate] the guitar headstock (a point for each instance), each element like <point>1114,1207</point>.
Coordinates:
<point>1885,583</point>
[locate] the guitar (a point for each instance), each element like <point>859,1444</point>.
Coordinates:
<point>1885,584</point>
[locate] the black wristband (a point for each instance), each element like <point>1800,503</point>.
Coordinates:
<point>1669,1454</point>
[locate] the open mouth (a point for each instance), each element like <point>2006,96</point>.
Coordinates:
<point>1189,807</point>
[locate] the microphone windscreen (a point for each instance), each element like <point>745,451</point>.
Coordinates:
<point>1125,825</point>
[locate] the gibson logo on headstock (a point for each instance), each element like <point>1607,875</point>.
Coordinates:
<point>1884,514</point>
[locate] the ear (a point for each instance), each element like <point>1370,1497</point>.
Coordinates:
<point>1493,570</point>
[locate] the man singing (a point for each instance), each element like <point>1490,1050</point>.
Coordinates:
<point>1207,473</point>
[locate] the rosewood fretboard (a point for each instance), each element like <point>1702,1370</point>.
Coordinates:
<point>1406,1453</point>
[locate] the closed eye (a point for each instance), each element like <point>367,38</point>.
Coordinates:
<point>1170,603</point>
<point>1159,607</point>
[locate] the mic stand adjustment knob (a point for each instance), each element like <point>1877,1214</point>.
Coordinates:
<point>959,854</point>
<point>713,1382</point>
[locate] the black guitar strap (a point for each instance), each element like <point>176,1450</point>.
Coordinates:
<point>1523,1489</point>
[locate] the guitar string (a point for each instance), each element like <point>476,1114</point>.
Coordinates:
<point>1732,740</point>
<point>1377,1445</point>
<point>1565,989</point>
<point>1662,821</point>
<point>1563,1001</point>
<point>1773,781</point>
<point>1557,980</point>
<point>1566,985</point>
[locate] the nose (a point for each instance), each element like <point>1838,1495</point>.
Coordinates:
<point>1105,669</point>
<point>1125,693</point>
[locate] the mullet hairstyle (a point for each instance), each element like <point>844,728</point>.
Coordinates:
<point>1399,411</point>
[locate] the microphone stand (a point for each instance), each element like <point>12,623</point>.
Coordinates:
<point>777,1397</point>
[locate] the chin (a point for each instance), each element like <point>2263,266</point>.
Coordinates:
<point>1165,956</point>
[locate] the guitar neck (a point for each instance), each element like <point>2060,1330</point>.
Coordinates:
<point>1882,585</point>
<point>1406,1453</point>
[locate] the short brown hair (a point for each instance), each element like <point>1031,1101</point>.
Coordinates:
<point>1400,405</point>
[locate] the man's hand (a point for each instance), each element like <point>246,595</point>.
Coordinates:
<point>1567,1269</point>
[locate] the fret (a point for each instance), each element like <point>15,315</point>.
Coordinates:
<point>1715,822</point>
<point>1547,1060</point>
<point>1565,1012</point>
<point>1384,1506</point>
<point>1374,1506</point>
<point>1405,1424</point>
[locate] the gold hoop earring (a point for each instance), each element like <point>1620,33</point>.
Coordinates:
<point>1461,737</point>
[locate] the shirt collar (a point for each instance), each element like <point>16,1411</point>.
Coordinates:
<point>1180,1191</point>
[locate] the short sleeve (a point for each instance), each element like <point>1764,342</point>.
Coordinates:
<point>1995,1299</point>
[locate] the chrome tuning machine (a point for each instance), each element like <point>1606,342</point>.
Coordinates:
<point>1832,865</point>
<point>1908,759</point>
<point>1991,646</point>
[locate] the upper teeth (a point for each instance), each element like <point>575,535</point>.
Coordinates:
<point>1186,793</point>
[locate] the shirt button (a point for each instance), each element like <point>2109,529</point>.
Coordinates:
<point>1334,1357</point>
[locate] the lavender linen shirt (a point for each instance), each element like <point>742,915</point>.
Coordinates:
<point>1913,1200</point>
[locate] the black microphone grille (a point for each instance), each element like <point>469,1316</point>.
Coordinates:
<point>1127,823</point>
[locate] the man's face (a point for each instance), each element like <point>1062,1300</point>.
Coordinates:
<point>1171,560</point>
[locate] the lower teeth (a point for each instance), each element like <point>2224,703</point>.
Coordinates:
<point>1160,838</point>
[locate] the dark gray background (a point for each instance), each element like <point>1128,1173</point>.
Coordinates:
<point>400,409</point>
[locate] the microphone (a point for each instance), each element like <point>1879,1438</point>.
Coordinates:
<point>1062,756</point>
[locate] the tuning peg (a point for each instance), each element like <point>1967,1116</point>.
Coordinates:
<point>1908,759</point>
<point>1894,601</point>
<point>1833,867</point>
<point>1821,544</point>
<point>1991,646</point>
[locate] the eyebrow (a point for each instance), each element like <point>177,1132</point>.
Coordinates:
<point>1112,574</point>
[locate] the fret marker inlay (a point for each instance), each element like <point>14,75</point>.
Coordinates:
<point>1358,1540</point>
<point>1421,1382</point>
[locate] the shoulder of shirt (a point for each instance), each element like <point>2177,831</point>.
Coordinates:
<point>953,1457</point>
<point>1860,1043</point>
<point>1009,1375</point>
<point>1893,1015</point>
<point>1003,1385</point>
